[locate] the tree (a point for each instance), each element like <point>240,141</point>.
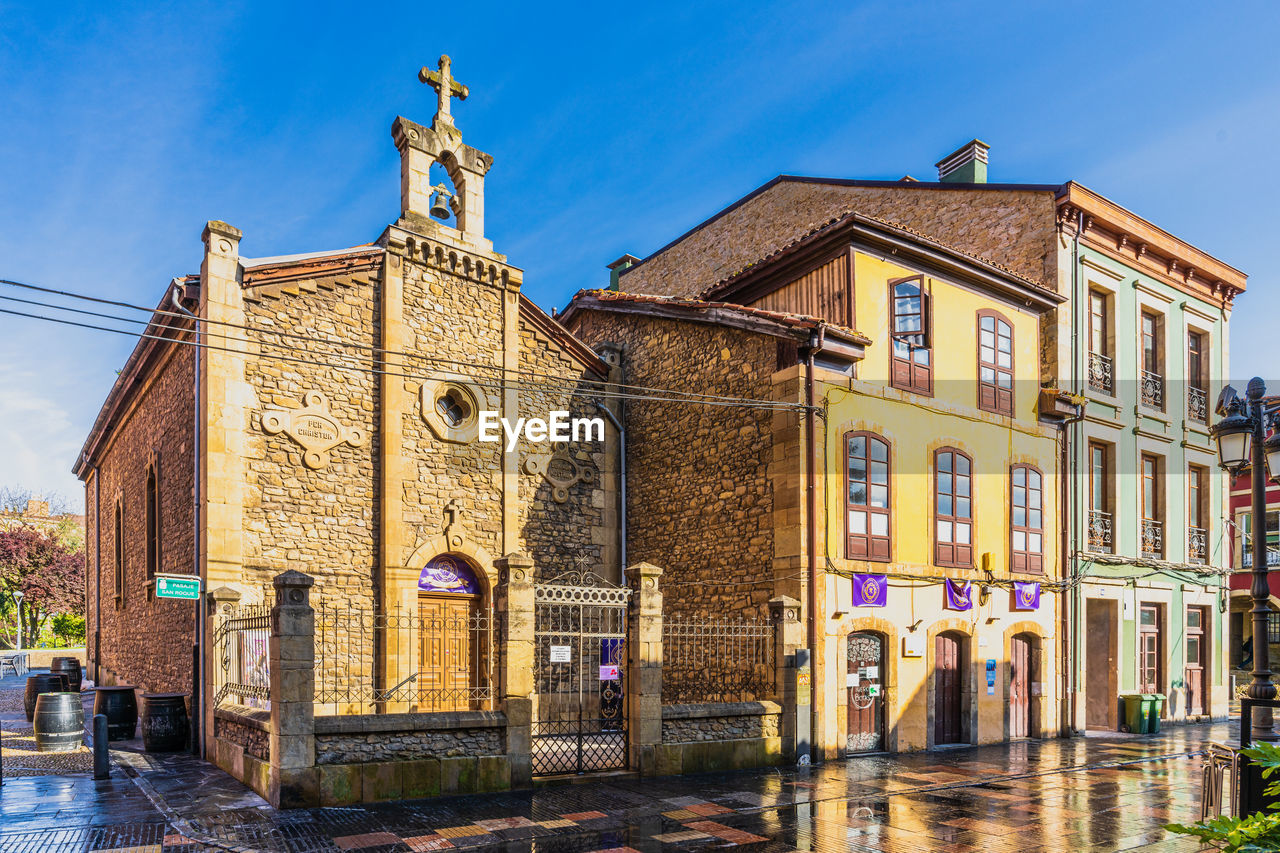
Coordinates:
<point>48,573</point>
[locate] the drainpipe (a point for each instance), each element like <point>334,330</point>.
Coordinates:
<point>816,666</point>
<point>622,484</point>
<point>1072,538</point>
<point>197,699</point>
<point>97,574</point>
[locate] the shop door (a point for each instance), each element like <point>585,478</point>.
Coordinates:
<point>946,689</point>
<point>1150,663</point>
<point>1197,658</point>
<point>1020,687</point>
<point>865,686</point>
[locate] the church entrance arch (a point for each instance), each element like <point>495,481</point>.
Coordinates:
<point>453,638</point>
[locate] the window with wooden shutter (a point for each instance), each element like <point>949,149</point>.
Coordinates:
<point>953,508</point>
<point>1026,519</point>
<point>995,363</point>
<point>911,367</point>
<point>867,496</point>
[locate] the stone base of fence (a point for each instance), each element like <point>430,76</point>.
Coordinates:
<point>719,736</point>
<point>241,738</point>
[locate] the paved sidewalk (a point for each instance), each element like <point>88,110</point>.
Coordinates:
<point>1083,794</point>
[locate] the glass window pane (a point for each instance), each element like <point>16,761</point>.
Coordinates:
<point>1019,517</point>
<point>922,357</point>
<point>944,504</point>
<point>1005,361</point>
<point>944,484</point>
<point>879,472</point>
<point>1006,344</point>
<point>858,446</point>
<point>1148,616</point>
<point>1019,496</point>
<point>1033,495</point>
<point>988,375</point>
<point>857,468</point>
<point>962,534</point>
<point>962,486</point>
<point>1006,380</point>
<point>1033,542</point>
<point>858,522</point>
<point>879,450</point>
<point>1019,540</point>
<point>1033,519</point>
<point>989,325</point>
<point>906,288</point>
<point>880,496</point>
<point>879,524</point>
<point>962,508</point>
<point>909,323</point>
<point>857,493</point>
<point>962,465</point>
<point>944,531</point>
<point>1193,618</point>
<point>1193,650</point>
<point>988,341</point>
<point>944,461</point>
<point>1019,476</point>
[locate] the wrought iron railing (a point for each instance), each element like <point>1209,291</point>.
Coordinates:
<point>242,656</point>
<point>1197,544</point>
<point>372,663</point>
<point>1197,404</point>
<point>717,660</point>
<point>1152,538</point>
<point>1100,376</point>
<point>1152,390</point>
<point>1273,558</point>
<point>1099,530</point>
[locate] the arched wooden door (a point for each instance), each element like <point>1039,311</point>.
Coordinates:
<point>1021,663</point>
<point>947,673</point>
<point>864,685</point>
<point>452,637</point>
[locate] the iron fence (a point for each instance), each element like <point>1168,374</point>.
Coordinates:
<point>717,660</point>
<point>434,659</point>
<point>242,655</point>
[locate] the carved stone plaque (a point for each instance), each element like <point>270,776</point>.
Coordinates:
<point>313,428</point>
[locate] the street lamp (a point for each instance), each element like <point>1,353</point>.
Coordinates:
<point>1242,441</point>
<point>18,595</point>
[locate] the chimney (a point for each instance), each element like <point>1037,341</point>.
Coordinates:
<point>617,267</point>
<point>966,165</point>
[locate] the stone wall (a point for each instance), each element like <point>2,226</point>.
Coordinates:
<point>719,721</point>
<point>144,641</point>
<point>407,745</point>
<point>699,498</point>
<point>1016,229</point>
<point>241,744</point>
<point>233,727</point>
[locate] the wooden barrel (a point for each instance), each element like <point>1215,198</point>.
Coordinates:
<point>41,682</point>
<point>59,722</point>
<point>70,667</point>
<point>120,705</point>
<point>164,722</point>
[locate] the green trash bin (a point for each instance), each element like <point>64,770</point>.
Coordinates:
<point>1156,709</point>
<point>1135,713</point>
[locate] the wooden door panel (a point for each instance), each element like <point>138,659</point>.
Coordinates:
<point>1019,688</point>
<point>865,705</point>
<point>946,690</point>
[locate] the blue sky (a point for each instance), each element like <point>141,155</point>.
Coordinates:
<point>613,128</point>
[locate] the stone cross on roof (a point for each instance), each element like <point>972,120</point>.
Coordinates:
<point>446,88</point>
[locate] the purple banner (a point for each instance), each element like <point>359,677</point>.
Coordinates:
<point>959,595</point>
<point>1026,595</point>
<point>448,574</point>
<point>870,591</point>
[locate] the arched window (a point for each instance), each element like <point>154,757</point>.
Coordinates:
<point>911,366</point>
<point>867,496</point>
<point>995,363</point>
<point>153,519</point>
<point>1026,514</point>
<point>953,508</point>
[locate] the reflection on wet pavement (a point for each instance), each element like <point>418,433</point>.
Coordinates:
<point>1094,793</point>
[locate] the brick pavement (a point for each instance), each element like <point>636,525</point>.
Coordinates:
<point>1083,794</point>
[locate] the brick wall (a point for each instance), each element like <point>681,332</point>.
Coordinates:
<point>1015,229</point>
<point>699,498</point>
<point>145,642</point>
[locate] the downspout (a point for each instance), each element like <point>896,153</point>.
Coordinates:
<point>816,665</point>
<point>197,698</point>
<point>1072,537</point>
<point>622,484</point>
<point>97,574</point>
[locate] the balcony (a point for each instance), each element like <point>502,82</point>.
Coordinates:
<point>1273,559</point>
<point>1153,390</point>
<point>1100,373</point>
<point>1197,404</point>
<point>1099,530</point>
<point>1197,544</point>
<point>1152,538</point>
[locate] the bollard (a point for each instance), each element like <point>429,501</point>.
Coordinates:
<point>101,765</point>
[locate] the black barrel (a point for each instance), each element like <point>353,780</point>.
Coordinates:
<point>43,682</point>
<point>59,722</point>
<point>164,722</point>
<point>70,667</point>
<point>119,704</point>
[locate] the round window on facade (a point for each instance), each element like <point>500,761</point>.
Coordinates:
<point>455,406</point>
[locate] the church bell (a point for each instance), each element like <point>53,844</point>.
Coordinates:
<point>440,202</point>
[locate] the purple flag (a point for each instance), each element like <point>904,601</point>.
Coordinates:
<point>1026,595</point>
<point>870,591</point>
<point>959,595</point>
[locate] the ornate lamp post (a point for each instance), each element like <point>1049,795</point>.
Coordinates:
<point>1241,438</point>
<point>17,605</point>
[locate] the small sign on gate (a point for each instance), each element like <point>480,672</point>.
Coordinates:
<point>561,654</point>
<point>609,672</point>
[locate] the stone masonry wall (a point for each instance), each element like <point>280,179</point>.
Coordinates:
<point>255,742</point>
<point>699,502</point>
<point>719,726</point>
<point>407,746</point>
<point>146,642</point>
<point>1014,228</point>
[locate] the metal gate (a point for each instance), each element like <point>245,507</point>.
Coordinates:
<point>580,639</point>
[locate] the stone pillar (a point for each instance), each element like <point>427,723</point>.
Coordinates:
<point>513,608</point>
<point>644,669</point>
<point>788,638</point>
<point>217,603</point>
<point>294,781</point>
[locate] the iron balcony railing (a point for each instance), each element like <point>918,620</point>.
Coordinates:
<point>1197,544</point>
<point>1197,404</point>
<point>1273,558</point>
<point>1152,538</point>
<point>1100,376</point>
<point>1099,530</point>
<point>1152,390</point>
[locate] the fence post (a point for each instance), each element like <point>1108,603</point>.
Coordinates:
<point>219,602</point>
<point>294,781</point>
<point>644,669</point>
<point>513,606</point>
<point>785,612</point>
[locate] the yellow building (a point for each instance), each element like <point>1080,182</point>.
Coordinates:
<point>934,462</point>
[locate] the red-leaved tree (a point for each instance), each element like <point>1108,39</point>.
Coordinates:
<point>49,574</point>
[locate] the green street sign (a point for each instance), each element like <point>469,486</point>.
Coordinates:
<point>178,586</point>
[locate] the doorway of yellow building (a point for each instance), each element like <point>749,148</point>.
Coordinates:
<point>865,686</point>
<point>1024,661</point>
